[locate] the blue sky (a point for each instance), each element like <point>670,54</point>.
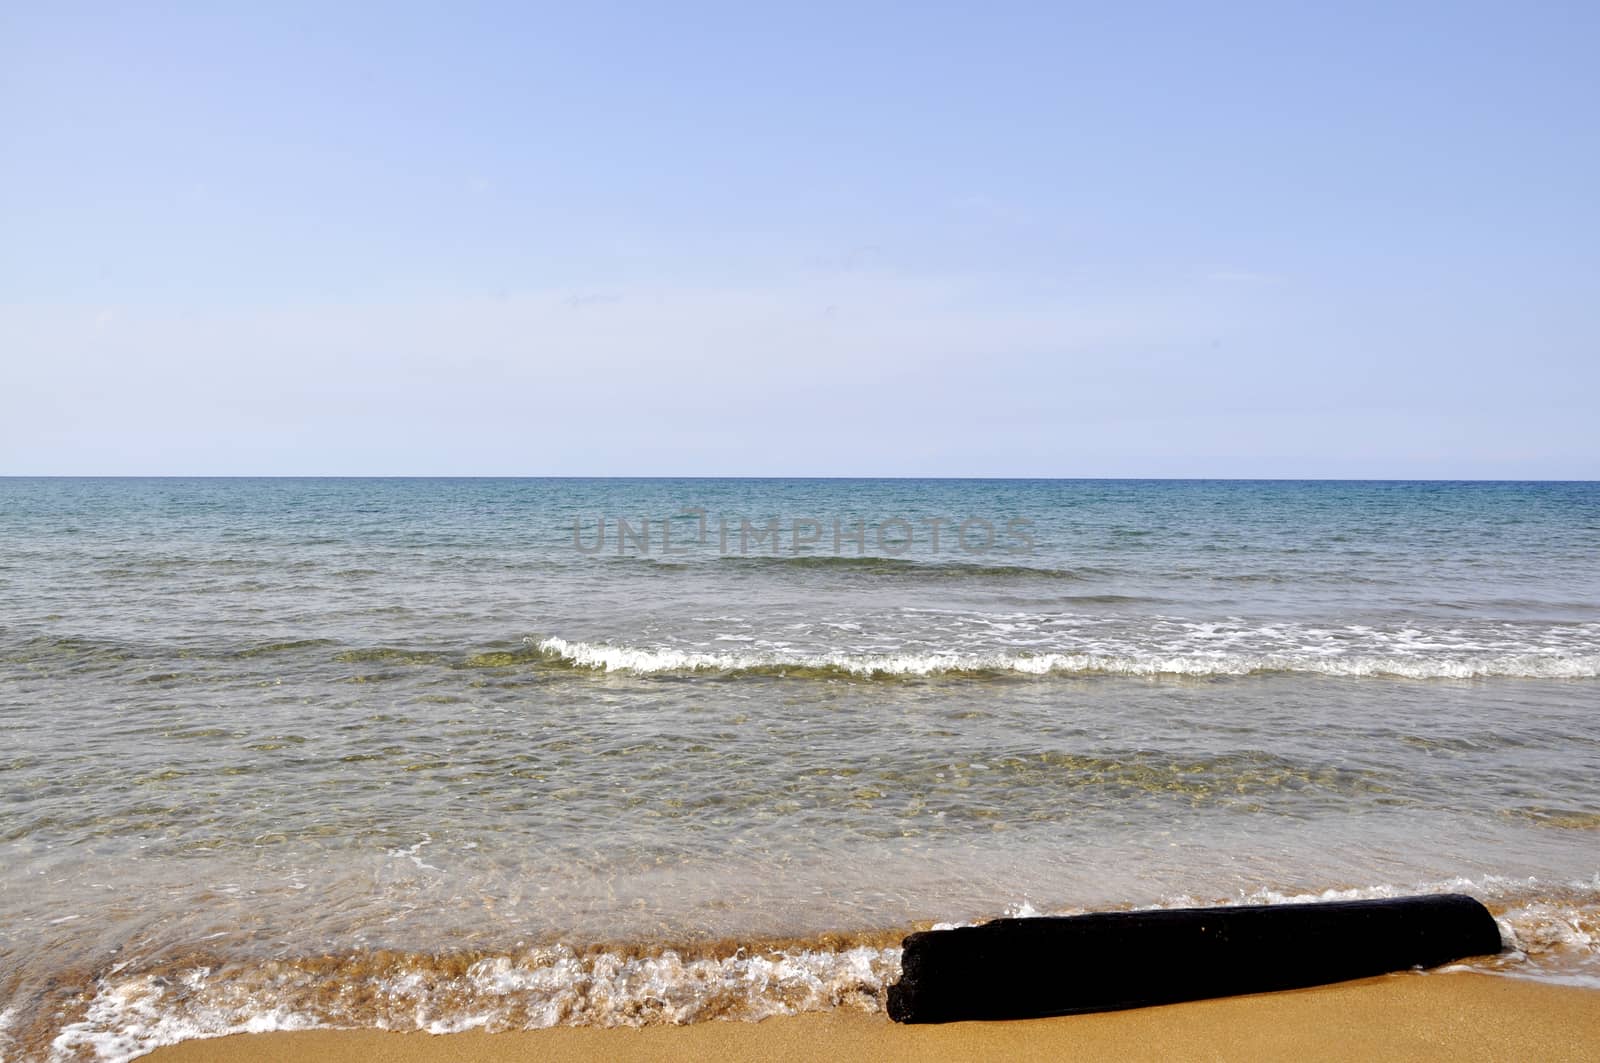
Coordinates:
<point>1033,240</point>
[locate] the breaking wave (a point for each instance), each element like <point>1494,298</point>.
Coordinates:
<point>642,660</point>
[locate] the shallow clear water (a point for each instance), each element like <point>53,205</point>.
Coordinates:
<point>422,753</point>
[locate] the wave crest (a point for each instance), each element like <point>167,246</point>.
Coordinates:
<point>602,657</point>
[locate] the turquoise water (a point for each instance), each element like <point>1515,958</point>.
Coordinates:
<point>438,740</point>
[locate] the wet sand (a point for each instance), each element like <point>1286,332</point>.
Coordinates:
<point>1455,1016</point>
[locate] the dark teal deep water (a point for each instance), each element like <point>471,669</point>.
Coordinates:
<point>255,728</point>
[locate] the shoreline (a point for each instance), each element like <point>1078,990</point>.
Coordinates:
<point>1458,1015</point>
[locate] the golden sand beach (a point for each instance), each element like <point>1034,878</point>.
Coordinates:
<point>1453,1016</point>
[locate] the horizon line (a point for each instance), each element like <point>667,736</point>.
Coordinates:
<point>765,476</point>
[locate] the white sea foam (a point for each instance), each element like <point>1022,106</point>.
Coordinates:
<point>8,1018</point>
<point>412,853</point>
<point>1312,660</point>
<point>129,1017</point>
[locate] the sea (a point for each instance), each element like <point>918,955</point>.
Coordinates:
<point>448,754</point>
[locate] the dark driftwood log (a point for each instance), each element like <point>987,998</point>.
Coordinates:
<point>1027,968</point>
